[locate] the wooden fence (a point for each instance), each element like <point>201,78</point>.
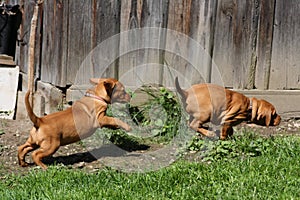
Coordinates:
<point>254,43</point>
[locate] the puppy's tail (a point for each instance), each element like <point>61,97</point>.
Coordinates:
<point>35,120</point>
<point>182,92</point>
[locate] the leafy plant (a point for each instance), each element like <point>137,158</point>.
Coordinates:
<point>244,144</point>
<point>160,115</point>
<point>155,120</point>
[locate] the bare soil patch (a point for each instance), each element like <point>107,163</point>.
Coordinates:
<point>15,132</point>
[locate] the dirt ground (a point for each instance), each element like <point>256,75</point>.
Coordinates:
<point>14,133</point>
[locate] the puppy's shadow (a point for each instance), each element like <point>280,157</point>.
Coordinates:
<point>88,156</point>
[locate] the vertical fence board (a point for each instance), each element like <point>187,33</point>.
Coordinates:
<point>107,24</point>
<point>53,67</point>
<point>79,40</point>
<point>264,44</point>
<point>235,40</point>
<point>177,57</point>
<point>179,15</point>
<point>141,65</point>
<point>131,13</point>
<point>285,70</point>
<point>222,53</point>
<point>203,19</point>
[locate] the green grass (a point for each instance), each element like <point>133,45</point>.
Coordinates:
<point>274,173</point>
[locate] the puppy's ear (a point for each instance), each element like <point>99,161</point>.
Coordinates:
<point>254,109</point>
<point>109,87</point>
<point>94,81</point>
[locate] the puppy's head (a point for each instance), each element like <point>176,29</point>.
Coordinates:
<point>111,90</point>
<point>264,113</point>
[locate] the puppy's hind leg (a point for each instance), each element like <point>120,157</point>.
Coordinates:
<point>46,149</point>
<point>23,150</point>
<point>196,125</point>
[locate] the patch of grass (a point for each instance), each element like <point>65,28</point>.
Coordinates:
<point>274,174</point>
<point>244,143</point>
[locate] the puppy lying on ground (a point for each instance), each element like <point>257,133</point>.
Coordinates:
<point>76,123</point>
<point>212,103</point>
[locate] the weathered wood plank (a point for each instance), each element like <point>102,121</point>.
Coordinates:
<point>54,48</point>
<point>203,22</point>
<point>79,40</point>
<point>139,64</point>
<point>179,14</point>
<point>285,70</point>
<point>100,56</point>
<point>106,24</point>
<point>264,44</point>
<point>177,55</point>
<point>130,19</point>
<point>235,40</point>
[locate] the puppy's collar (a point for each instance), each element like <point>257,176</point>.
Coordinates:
<point>87,94</point>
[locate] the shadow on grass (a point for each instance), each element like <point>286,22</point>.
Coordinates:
<point>109,150</point>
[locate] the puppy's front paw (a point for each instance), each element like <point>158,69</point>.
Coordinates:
<point>127,128</point>
<point>211,134</point>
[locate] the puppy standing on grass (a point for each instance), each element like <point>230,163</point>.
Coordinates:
<point>77,122</point>
<point>212,103</point>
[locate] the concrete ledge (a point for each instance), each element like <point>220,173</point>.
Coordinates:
<point>47,98</point>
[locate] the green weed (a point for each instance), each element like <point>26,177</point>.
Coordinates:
<point>242,144</point>
<point>154,121</point>
<point>161,114</point>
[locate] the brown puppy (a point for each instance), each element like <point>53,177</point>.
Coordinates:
<point>76,123</point>
<point>212,103</point>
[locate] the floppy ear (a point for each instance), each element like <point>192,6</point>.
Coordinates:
<point>254,109</point>
<point>109,86</point>
<point>95,81</point>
